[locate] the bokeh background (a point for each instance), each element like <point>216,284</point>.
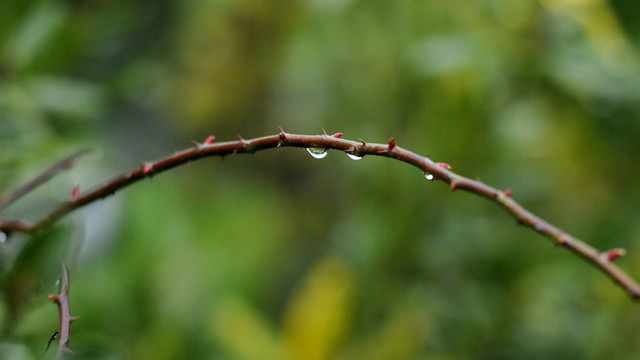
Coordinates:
<point>277,255</point>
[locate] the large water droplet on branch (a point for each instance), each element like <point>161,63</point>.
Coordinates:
<point>354,157</point>
<point>318,153</point>
<point>429,176</point>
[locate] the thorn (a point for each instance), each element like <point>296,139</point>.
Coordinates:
<point>362,141</point>
<point>74,318</point>
<point>561,240</point>
<point>337,135</point>
<point>146,168</point>
<point>453,185</point>
<point>507,192</point>
<point>324,133</point>
<point>613,254</point>
<point>429,156</point>
<point>444,165</point>
<point>75,193</point>
<point>54,297</point>
<point>282,136</point>
<point>392,144</point>
<point>210,139</point>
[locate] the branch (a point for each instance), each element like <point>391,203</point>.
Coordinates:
<point>318,144</point>
<point>62,299</point>
<point>23,190</point>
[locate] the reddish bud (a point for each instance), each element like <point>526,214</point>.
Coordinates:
<point>561,240</point>
<point>444,165</point>
<point>392,143</point>
<point>337,135</point>
<point>210,139</point>
<point>614,254</point>
<point>283,136</point>
<point>54,297</point>
<point>147,167</point>
<point>453,185</point>
<point>75,193</point>
<point>507,192</point>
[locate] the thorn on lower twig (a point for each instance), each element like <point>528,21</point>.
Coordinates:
<point>75,193</point>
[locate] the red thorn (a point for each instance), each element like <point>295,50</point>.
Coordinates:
<point>444,165</point>
<point>210,139</point>
<point>453,185</point>
<point>75,193</point>
<point>561,240</point>
<point>54,297</point>
<point>507,192</point>
<point>283,136</point>
<point>614,254</point>
<point>337,135</point>
<point>392,144</point>
<point>147,167</point>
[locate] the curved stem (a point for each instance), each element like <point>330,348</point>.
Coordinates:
<point>442,172</point>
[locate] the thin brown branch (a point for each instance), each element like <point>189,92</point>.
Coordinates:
<point>62,299</point>
<point>29,186</point>
<point>436,171</point>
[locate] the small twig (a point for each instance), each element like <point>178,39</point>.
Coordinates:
<point>62,299</point>
<point>29,186</point>
<point>433,170</point>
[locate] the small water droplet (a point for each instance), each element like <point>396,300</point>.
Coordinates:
<point>3,237</point>
<point>57,282</point>
<point>318,153</point>
<point>428,176</point>
<point>354,157</point>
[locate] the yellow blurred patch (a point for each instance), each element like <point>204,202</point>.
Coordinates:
<point>317,318</point>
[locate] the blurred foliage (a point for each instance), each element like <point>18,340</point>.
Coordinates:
<point>280,256</point>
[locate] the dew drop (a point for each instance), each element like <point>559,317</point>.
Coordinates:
<point>3,237</point>
<point>428,176</point>
<point>318,153</point>
<point>354,157</point>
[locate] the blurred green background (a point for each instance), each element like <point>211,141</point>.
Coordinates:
<point>280,256</point>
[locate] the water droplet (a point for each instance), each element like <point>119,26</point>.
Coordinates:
<point>318,153</point>
<point>354,157</point>
<point>3,237</point>
<point>57,282</point>
<point>428,176</point>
